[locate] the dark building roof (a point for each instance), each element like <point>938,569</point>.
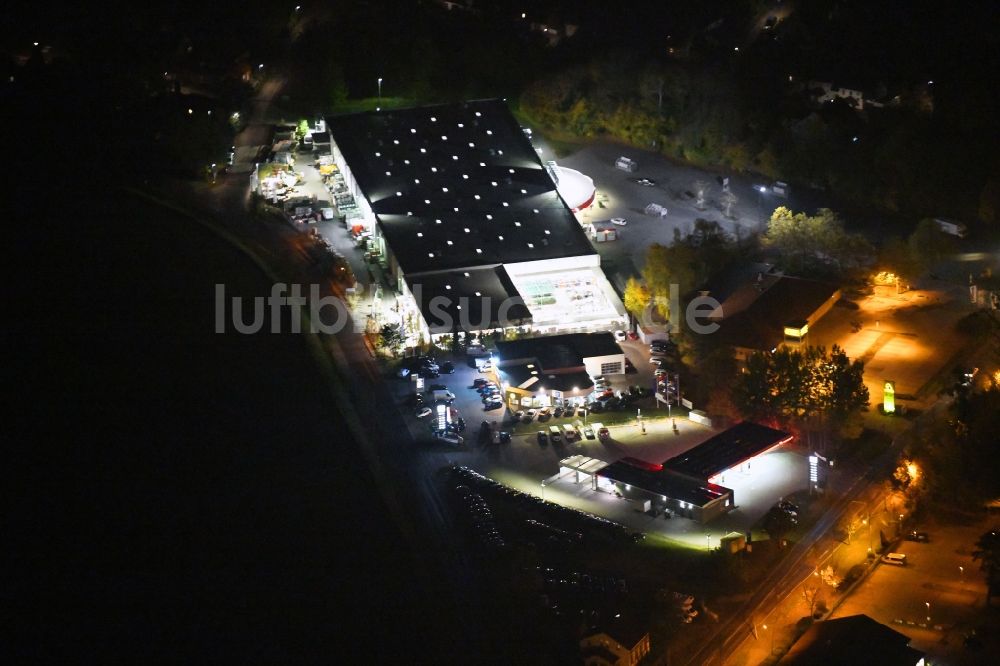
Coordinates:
<point>517,374</point>
<point>726,450</point>
<point>664,483</point>
<point>625,629</point>
<point>559,351</point>
<point>476,299</point>
<point>857,640</point>
<point>761,324</point>
<point>463,173</point>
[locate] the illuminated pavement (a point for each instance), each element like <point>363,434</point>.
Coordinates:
<point>524,464</point>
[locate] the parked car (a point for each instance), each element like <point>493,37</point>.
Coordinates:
<point>504,437</point>
<point>588,432</point>
<point>326,213</point>
<point>557,412</point>
<point>914,535</point>
<point>604,434</point>
<point>543,437</point>
<point>898,559</point>
<point>544,413</point>
<point>423,411</point>
<point>530,414</point>
<point>479,382</point>
<point>493,404</point>
<point>437,387</point>
<point>518,415</point>
<point>619,221</point>
<point>447,368</point>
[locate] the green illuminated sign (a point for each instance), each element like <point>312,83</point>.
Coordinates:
<point>889,397</point>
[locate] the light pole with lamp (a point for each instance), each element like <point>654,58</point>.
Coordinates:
<point>928,604</point>
<point>708,542</point>
<point>379,91</point>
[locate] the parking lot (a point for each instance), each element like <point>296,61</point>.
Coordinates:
<point>940,573</point>
<point>529,466</point>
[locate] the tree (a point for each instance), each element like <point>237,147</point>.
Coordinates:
<point>929,245</point>
<point>987,553</point>
<point>729,199</point>
<point>815,242</point>
<point>700,190</point>
<point>830,577</point>
<point>637,297</point>
<point>777,523</point>
<point>391,338</point>
<point>810,595</point>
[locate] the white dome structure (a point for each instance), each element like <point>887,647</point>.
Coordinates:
<point>576,189</point>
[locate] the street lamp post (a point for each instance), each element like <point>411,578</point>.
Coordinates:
<point>708,542</point>
<point>380,91</point>
<point>928,604</point>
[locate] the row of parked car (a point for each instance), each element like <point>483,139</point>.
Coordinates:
<point>479,517</point>
<point>566,518</point>
<point>424,366</point>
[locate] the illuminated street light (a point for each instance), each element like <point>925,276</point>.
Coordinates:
<point>928,604</point>
<point>380,91</point>
<point>708,542</point>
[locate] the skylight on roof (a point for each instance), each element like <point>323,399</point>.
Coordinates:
<point>447,286</point>
<point>461,125</point>
<point>437,221</point>
<point>434,170</point>
<point>444,138</point>
<point>505,204</point>
<point>510,170</point>
<point>420,234</point>
<point>535,211</point>
<point>396,141</point>
<point>493,183</point>
<point>430,254</point>
<point>548,233</point>
<point>455,209</point>
<point>433,119</point>
<point>427,201</point>
<point>465,176</point>
<point>531,245</point>
<point>478,114</point>
<point>489,217</point>
<point>466,274</point>
<point>377,154</point>
<point>477,197</point>
<point>416,181</point>
<point>413,131</point>
<point>523,191</point>
<point>399,194</point>
<point>388,173</point>
<point>406,161</point>
<point>478,251</point>
<point>489,132</point>
<point>454,157</point>
<point>482,164</point>
<point>499,237</point>
<point>479,293</point>
<point>472,145</point>
<point>423,150</point>
<point>444,189</point>
<point>450,243</point>
<point>466,230</point>
<point>517,224</point>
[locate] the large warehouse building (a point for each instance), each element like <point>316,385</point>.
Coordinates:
<point>468,222</point>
